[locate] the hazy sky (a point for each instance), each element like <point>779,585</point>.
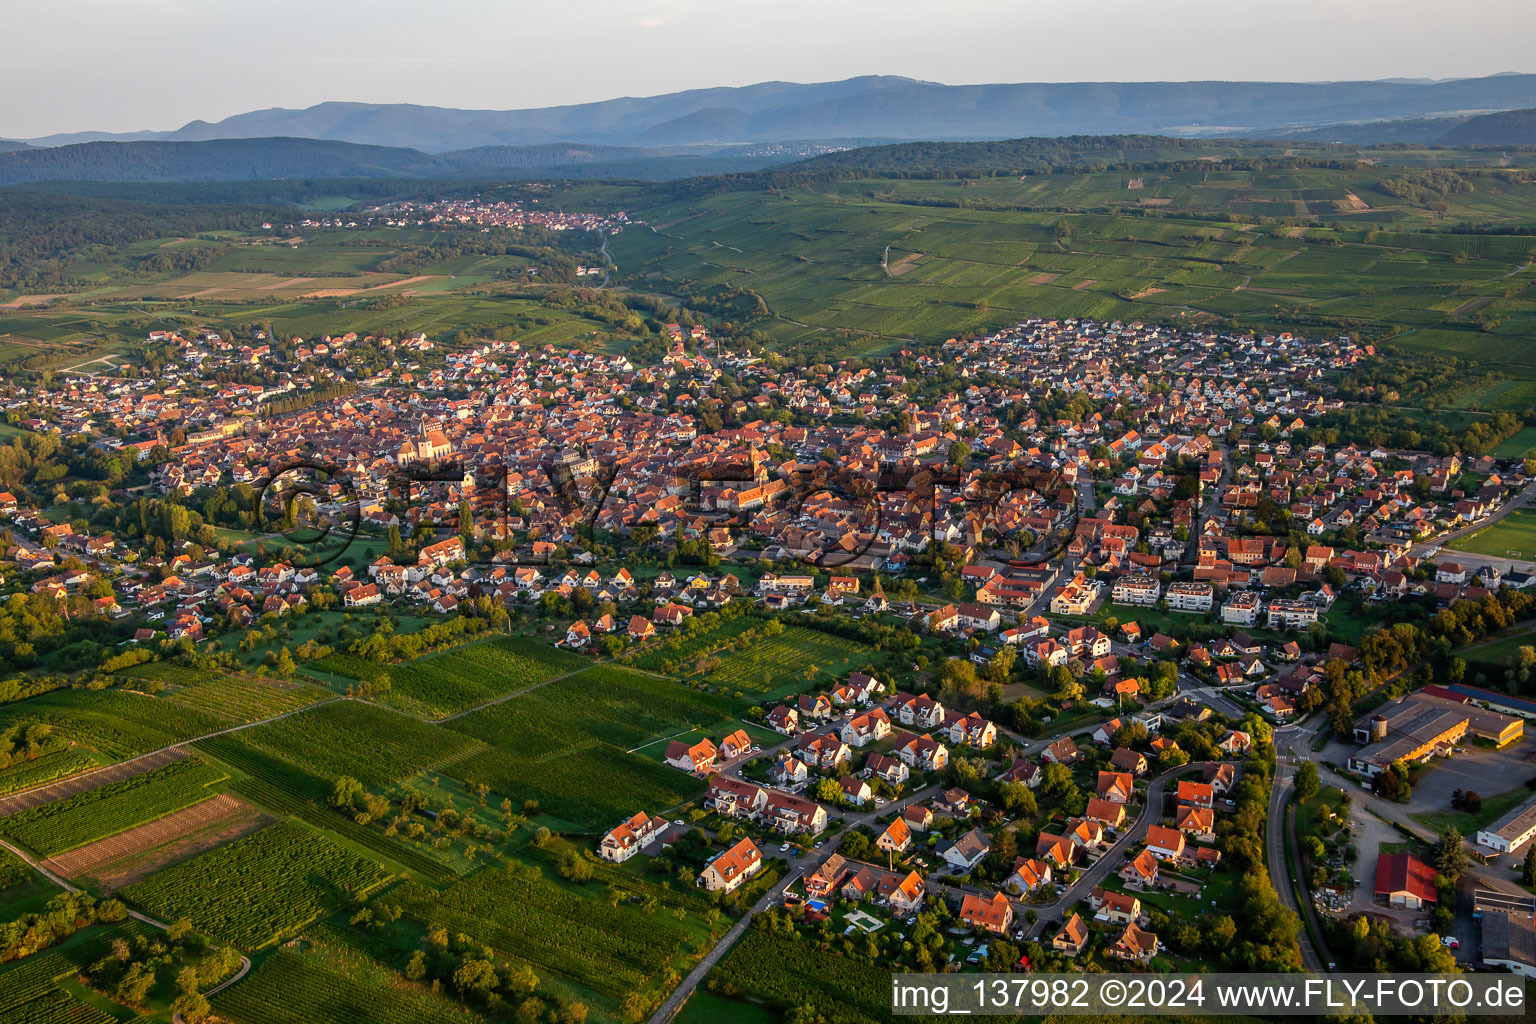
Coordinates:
<point>74,65</point>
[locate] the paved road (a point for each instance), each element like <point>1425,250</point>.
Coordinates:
<point>1111,861</point>
<point>1291,741</point>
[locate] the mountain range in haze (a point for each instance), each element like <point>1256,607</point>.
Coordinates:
<point>876,107</point>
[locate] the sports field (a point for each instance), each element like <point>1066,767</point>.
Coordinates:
<point>1514,536</point>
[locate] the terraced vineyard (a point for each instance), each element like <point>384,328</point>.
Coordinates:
<point>782,660</point>
<point>567,744</point>
<point>113,808</point>
<point>439,684</point>
<point>259,889</point>
<point>117,723</point>
<point>374,745</point>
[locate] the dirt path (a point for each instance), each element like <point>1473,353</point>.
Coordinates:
<point>147,836</point>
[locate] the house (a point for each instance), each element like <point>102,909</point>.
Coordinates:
<point>922,712</point>
<point>784,720</point>
<point>1028,875</point>
<point>824,751</point>
<point>1236,743</point>
<point>908,895</point>
<point>1055,850</point>
<point>918,817</point>
<point>856,791</point>
<point>697,757</point>
<point>789,770</point>
<point>1113,907</point>
<point>1124,759</point>
<point>789,813</point>
<point>1140,870</point>
<point>965,853</point>
<point>1116,786</point>
<point>1062,751</point>
<point>1196,794</point>
<point>1165,843</point>
<point>924,753</point>
<point>626,839</point>
<point>1404,880</point>
<point>1197,823</point>
<point>1072,937</point>
<point>1134,944</point>
<point>736,744</point>
<point>727,870</point>
<point>992,915</point>
<point>970,729</point>
<point>890,769</point>
<point>869,727</point>
<point>363,595</point>
<point>640,628</point>
<point>826,879</point>
<point>1108,813</point>
<point>896,838</point>
<point>978,616</point>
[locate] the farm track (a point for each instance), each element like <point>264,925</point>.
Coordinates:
<point>146,836</point>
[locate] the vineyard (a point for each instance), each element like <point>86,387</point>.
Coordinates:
<point>787,972</point>
<point>292,989</point>
<point>682,650</point>
<point>773,663</point>
<point>439,684</point>
<point>285,789</point>
<point>566,744</point>
<point>259,889</point>
<point>117,723</point>
<point>29,989</point>
<point>374,745</point>
<point>49,767</point>
<point>113,808</point>
<point>245,700</point>
<point>613,950</point>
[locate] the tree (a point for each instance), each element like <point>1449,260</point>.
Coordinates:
<point>828,791</point>
<point>193,1007</point>
<point>1528,869</point>
<point>1307,781</point>
<point>1450,855</point>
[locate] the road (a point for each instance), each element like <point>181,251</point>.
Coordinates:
<point>1110,861</point>
<point>1291,742</point>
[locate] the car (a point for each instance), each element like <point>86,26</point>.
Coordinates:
<point>1450,942</point>
<point>818,846</point>
<point>784,848</point>
<point>677,821</point>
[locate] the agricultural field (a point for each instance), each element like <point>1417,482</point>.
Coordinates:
<point>374,745</point>
<point>115,723</point>
<point>786,972</point>
<point>259,889</point>
<point>1514,536</point>
<point>977,254</point>
<point>791,661</point>
<point>289,988</point>
<point>566,929</point>
<point>50,767</point>
<point>284,788</point>
<point>569,745</point>
<point>238,698</point>
<point>437,685</point>
<point>684,651</point>
<point>30,988</point>
<point>113,808</point>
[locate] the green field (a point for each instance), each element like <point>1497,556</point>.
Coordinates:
<point>259,889</point>
<point>779,664</point>
<point>1514,536</point>
<point>292,989</point>
<point>117,723</point>
<point>567,745</point>
<point>374,745</point>
<point>437,685</point>
<point>1493,807</point>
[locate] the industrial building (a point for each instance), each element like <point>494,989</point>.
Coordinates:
<point>1414,728</point>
